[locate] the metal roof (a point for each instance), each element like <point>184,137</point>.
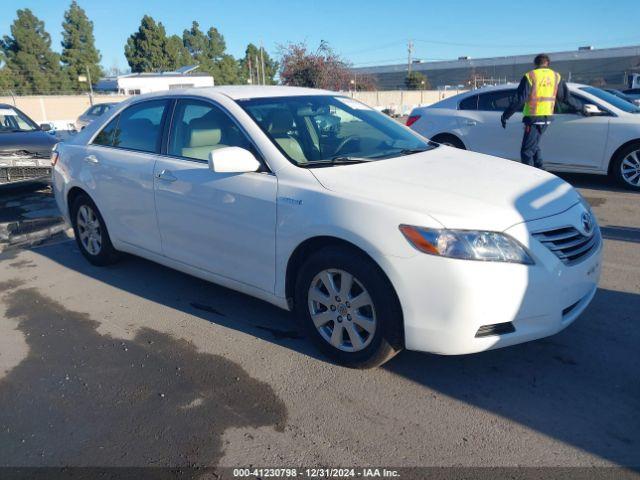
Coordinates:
<point>601,53</point>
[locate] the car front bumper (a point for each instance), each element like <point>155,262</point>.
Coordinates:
<point>24,168</point>
<point>448,304</point>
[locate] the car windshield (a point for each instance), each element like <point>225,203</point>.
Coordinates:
<point>612,99</point>
<point>13,120</point>
<point>327,130</point>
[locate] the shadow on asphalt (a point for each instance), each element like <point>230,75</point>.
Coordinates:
<point>593,182</point>
<point>84,399</point>
<point>580,387</point>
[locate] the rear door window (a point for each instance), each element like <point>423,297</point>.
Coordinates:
<point>469,103</point>
<point>140,126</point>
<point>495,101</point>
<point>105,137</point>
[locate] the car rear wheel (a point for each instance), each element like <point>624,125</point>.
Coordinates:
<point>91,232</point>
<point>626,167</point>
<point>449,141</point>
<point>349,308</point>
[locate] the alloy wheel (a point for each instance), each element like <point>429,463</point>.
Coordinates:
<point>630,168</point>
<point>89,230</point>
<point>342,310</point>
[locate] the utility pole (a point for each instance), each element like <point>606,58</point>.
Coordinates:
<point>90,86</point>
<point>257,70</point>
<point>264,81</point>
<point>250,70</point>
<point>410,52</point>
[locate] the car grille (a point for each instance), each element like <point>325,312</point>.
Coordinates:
<point>568,244</point>
<point>17,174</point>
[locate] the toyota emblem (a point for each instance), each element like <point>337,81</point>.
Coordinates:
<point>587,223</point>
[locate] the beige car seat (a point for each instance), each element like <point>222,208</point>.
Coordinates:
<point>280,123</point>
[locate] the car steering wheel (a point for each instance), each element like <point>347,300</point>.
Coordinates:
<point>345,142</point>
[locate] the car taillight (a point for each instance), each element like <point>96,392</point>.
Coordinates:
<point>54,155</point>
<point>412,119</point>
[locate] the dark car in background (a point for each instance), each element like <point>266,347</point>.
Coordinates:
<point>25,148</point>
<point>634,95</point>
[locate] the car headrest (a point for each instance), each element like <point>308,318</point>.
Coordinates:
<point>280,122</point>
<point>203,137</point>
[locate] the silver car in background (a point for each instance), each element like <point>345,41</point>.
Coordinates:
<point>93,112</point>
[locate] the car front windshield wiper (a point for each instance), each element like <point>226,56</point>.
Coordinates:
<point>339,160</point>
<point>411,151</point>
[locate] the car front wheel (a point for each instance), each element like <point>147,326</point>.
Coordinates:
<point>626,167</point>
<point>349,308</point>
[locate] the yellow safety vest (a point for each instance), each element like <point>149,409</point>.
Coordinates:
<point>544,87</point>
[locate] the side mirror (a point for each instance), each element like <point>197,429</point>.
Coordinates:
<point>233,160</point>
<point>45,127</point>
<point>590,110</point>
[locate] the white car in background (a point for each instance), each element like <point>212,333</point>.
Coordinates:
<point>375,237</point>
<point>604,139</point>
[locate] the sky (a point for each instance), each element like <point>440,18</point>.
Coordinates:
<point>365,33</point>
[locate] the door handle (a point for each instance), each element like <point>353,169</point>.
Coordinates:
<point>92,159</point>
<point>470,123</point>
<point>166,176</point>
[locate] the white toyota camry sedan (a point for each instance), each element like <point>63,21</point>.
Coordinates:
<point>603,139</point>
<point>378,239</point>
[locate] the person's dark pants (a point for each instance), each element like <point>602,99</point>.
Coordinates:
<point>530,152</point>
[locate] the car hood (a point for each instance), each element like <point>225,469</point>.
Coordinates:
<point>36,142</point>
<point>458,188</point>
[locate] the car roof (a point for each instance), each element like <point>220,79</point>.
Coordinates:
<point>240,92</point>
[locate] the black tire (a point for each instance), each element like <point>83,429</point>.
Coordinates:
<point>388,337</point>
<point>450,140</point>
<point>616,166</point>
<point>106,255</point>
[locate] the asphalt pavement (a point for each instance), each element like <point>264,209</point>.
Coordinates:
<point>136,364</point>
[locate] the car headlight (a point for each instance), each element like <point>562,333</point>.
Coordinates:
<point>467,244</point>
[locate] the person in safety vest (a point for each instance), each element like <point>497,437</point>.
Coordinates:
<point>538,92</point>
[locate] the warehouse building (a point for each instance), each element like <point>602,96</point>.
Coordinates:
<point>609,67</point>
<point>138,83</point>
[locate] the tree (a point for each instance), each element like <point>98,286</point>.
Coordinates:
<point>35,67</point>
<point>79,52</point>
<point>6,78</point>
<point>321,69</point>
<point>251,66</point>
<point>146,49</point>
<point>208,51</point>
<point>417,81</point>
<point>177,54</point>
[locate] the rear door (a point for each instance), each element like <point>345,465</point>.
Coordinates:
<point>119,165</point>
<point>479,122</point>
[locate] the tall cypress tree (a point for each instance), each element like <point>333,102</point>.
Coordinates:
<point>36,68</point>
<point>145,49</point>
<point>79,52</point>
<point>208,51</point>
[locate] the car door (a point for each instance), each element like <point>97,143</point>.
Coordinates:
<point>479,123</point>
<point>223,223</point>
<point>573,141</point>
<point>119,166</point>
